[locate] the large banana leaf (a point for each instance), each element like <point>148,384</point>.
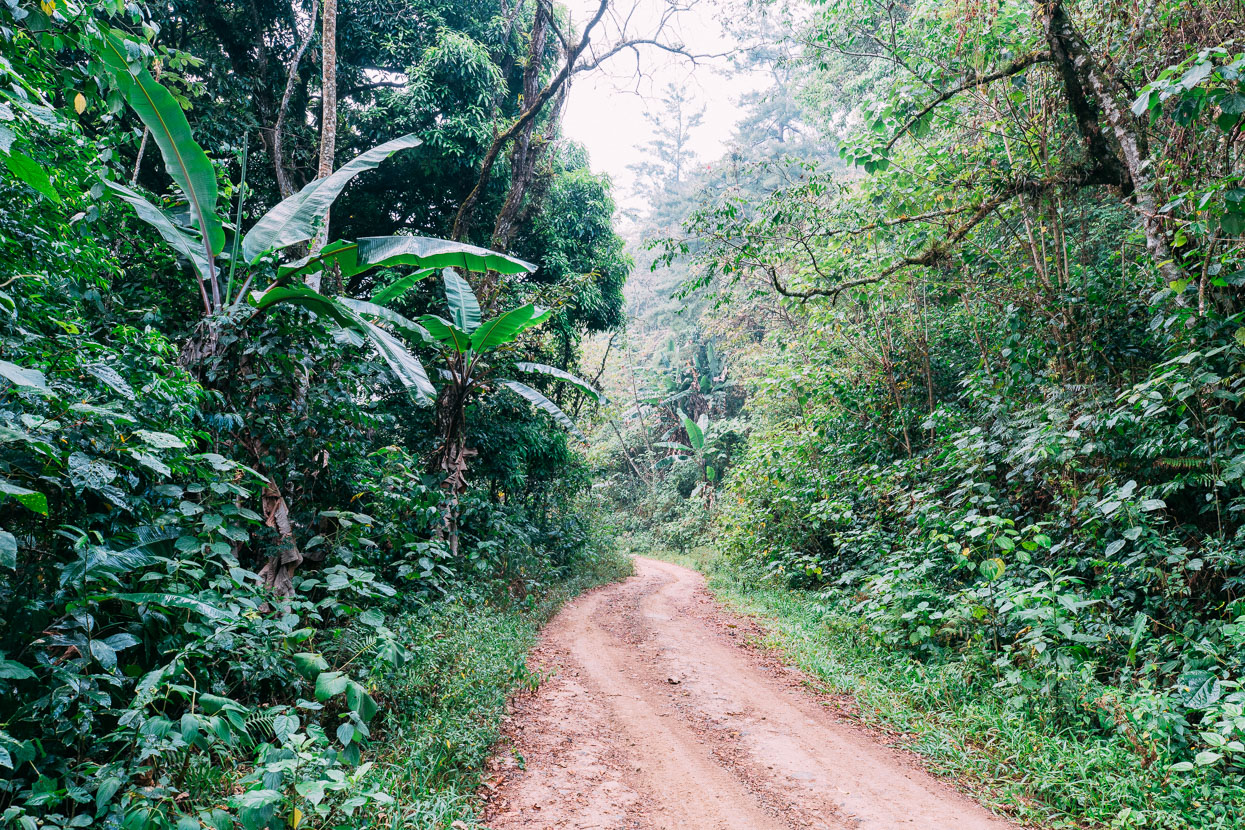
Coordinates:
<point>189,166</point>
<point>673,445</point>
<point>314,301</point>
<point>376,251</point>
<point>695,434</point>
<point>400,286</point>
<point>506,327</point>
<point>378,312</point>
<point>405,366</point>
<point>541,402</point>
<point>464,307</point>
<point>296,219</point>
<point>446,332</point>
<point>554,371</point>
<point>419,251</point>
<point>184,244</point>
<point>429,252</point>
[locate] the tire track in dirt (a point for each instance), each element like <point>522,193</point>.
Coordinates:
<point>653,717</point>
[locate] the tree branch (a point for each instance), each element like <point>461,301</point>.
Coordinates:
<point>1015,67</point>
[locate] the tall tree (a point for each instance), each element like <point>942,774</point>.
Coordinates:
<point>328,118</point>
<point>670,150</point>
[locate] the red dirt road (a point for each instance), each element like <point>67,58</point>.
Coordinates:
<point>656,716</point>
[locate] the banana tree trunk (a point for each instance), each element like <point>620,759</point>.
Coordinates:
<point>451,457</point>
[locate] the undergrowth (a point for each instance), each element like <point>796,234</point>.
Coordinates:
<point>448,701</point>
<point>1009,753</point>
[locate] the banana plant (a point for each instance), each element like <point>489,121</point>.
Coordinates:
<point>293,222</point>
<point>702,449</point>
<point>467,346</point>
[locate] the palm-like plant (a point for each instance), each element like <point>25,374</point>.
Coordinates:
<point>227,297</point>
<point>294,221</point>
<point>702,449</point>
<point>466,345</point>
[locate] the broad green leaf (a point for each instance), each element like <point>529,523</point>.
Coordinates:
<point>400,286</point>
<point>425,253</point>
<point>183,243</point>
<point>8,550</point>
<point>1205,758</point>
<point>375,312</point>
<point>403,364</point>
<point>12,670</point>
<point>170,601</point>
<point>107,789</point>
<point>991,569</point>
<point>446,332</point>
<point>553,371</point>
<point>160,440</point>
<point>464,307</point>
<point>185,160</point>
<point>32,173</point>
<point>18,376</point>
<point>111,378</point>
<point>309,664</point>
<point>297,218</point>
<point>1198,689</point>
<point>506,327</point>
<point>27,498</point>
<point>330,684</point>
<point>541,402</point>
<point>431,253</point>
<point>314,301</point>
<point>695,434</point>
<point>428,252</point>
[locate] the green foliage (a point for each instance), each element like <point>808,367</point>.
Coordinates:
<point>987,451</point>
<point>224,601</point>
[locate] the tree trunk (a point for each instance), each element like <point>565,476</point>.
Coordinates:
<point>278,572</point>
<point>523,156</point>
<point>1093,98</point>
<point>328,118</point>
<point>451,457</point>
<point>284,185</point>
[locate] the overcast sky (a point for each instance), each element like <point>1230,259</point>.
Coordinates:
<point>606,107</point>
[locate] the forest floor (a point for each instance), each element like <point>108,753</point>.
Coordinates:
<point>658,710</point>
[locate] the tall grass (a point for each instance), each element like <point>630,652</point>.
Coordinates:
<point>446,704</point>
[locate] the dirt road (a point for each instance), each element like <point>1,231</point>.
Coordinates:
<point>656,716</point>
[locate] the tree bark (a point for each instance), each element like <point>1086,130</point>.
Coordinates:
<point>284,186</point>
<point>1094,99</point>
<point>278,573</point>
<point>523,156</point>
<point>328,119</point>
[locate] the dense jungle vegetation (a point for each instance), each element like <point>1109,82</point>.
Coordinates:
<point>305,306</point>
<point>939,369</point>
<point>286,479</point>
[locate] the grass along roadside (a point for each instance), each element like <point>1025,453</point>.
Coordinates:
<point>1009,756</point>
<point>445,706</point>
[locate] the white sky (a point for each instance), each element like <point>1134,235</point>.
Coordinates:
<point>605,110</point>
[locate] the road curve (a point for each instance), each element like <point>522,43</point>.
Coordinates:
<point>654,715</point>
